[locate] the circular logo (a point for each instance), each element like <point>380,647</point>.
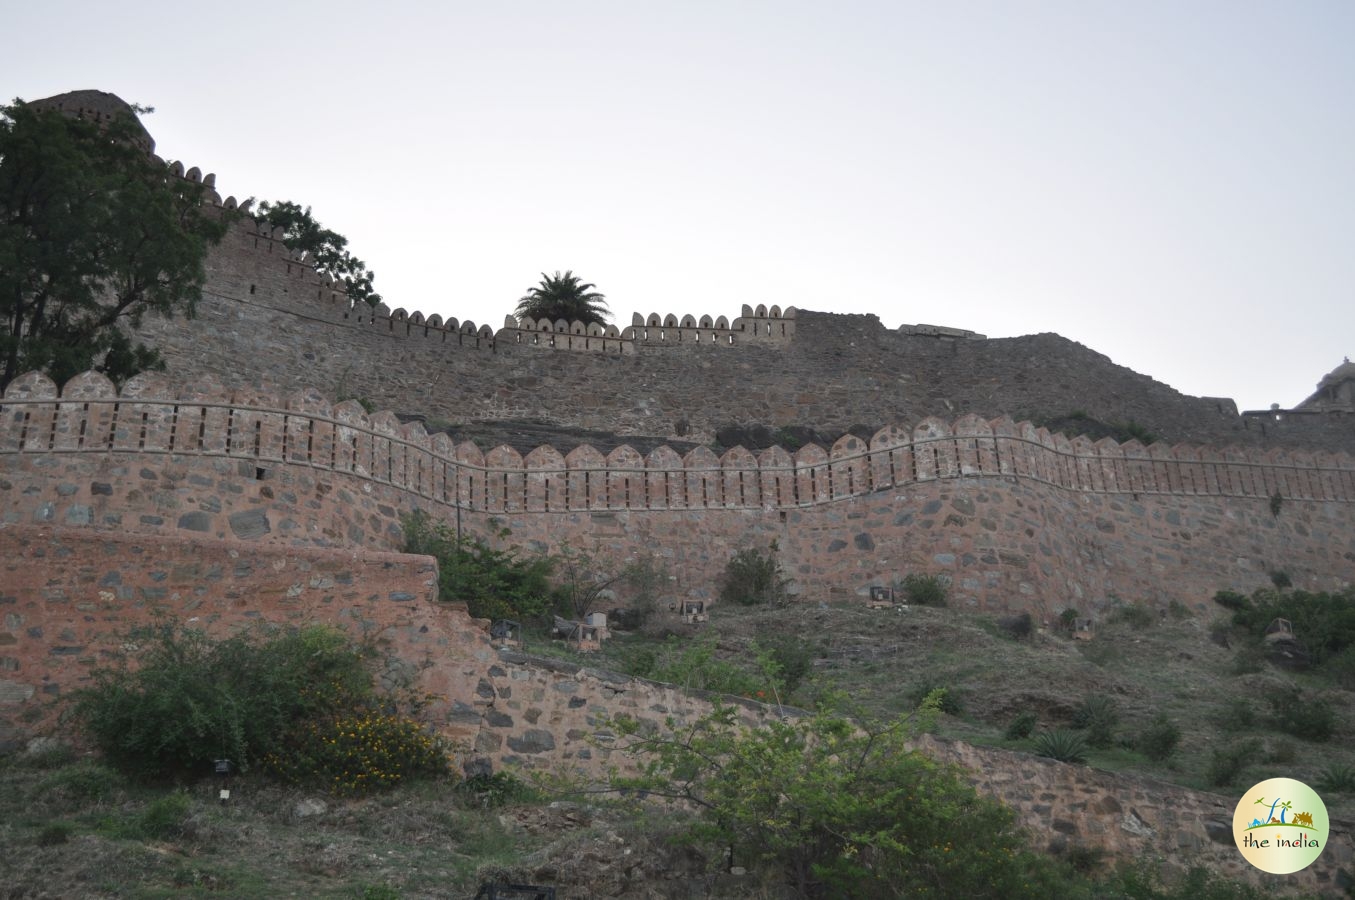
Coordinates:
<point>1280,826</point>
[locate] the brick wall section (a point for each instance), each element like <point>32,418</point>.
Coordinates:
<point>70,597</point>
<point>1019,518</point>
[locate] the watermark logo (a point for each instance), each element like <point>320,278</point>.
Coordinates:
<point>1281,826</point>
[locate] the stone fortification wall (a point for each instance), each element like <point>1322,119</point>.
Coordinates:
<point>1134,818</point>
<point>501,708</point>
<point>266,316</point>
<point>1019,518</point>
<point>70,598</point>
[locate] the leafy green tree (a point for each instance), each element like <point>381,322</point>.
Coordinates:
<point>493,583</point>
<point>753,577</point>
<point>328,250</point>
<point>563,297</point>
<point>94,234</point>
<point>582,582</point>
<point>837,810</point>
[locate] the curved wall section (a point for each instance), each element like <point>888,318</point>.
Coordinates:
<point>1020,518</point>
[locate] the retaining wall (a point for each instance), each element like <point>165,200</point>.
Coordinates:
<point>73,599</point>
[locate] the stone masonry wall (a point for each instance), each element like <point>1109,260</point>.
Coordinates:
<point>1019,518</point>
<point>1132,817</point>
<point>72,599</point>
<point>267,317</point>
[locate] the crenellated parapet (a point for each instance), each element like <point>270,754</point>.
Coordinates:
<point>153,417</point>
<point>763,326</point>
<point>562,335</point>
<point>271,274</point>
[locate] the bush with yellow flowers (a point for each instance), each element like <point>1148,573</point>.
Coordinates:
<point>362,752</point>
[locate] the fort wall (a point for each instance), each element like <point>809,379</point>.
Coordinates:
<point>74,599</point>
<point>1020,519</point>
<point>267,317</point>
<point>228,492</point>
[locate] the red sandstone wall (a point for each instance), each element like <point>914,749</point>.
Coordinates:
<point>1019,518</point>
<point>70,597</point>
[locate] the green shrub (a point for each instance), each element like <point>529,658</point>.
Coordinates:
<point>1142,880</point>
<point>1062,744</point>
<point>1238,714</point>
<point>1022,726</point>
<point>1178,610</point>
<point>1158,740</point>
<point>949,699</point>
<point>1099,715</point>
<point>81,783</point>
<point>55,833</point>
<point>694,665</point>
<point>639,661</point>
<point>1019,626</point>
<point>1310,720</point>
<point>925,590</point>
<point>1340,668</point>
<point>1135,615</point>
<point>494,584</point>
<point>1324,623</point>
<point>1337,779</point>
<point>192,700</point>
<point>1231,600</point>
<point>828,809</point>
<point>1227,763</point>
<point>1281,580</point>
<point>788,658</point>
<point>1133,431</point>
<point>754,577</point>
<point>163,817</point>
<point>646,579</point>
<point>1084,859</point>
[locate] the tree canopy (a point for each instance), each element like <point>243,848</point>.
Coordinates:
<point>94,234</point>
<point>833,808</point>
<point>328,249</point>
<point>564,297</point>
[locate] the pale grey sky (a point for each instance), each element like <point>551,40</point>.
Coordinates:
<point>1169,183</point>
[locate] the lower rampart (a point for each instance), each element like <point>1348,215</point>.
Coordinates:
<point>1020,519</point>
<point>73,599</point>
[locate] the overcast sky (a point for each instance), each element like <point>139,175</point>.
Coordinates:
<point>1169,183</point>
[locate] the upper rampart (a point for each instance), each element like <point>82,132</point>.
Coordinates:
<point>676,376</point>
<point>150,417</point>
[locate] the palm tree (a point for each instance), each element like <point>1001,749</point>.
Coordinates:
<point>563,297</point>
